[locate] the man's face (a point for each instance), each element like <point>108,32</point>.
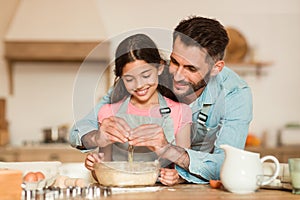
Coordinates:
<point>189,70</point>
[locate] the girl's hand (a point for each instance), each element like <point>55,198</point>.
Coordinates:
<point>149,135</point>
<point>92,158</point>
<point>170,177</point>
<point>113,129</point>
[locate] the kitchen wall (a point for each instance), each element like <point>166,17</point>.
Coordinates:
<point>43,91</point>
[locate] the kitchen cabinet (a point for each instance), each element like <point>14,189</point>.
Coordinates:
<point>8,155</point>
<point>45,152</point>
<point>282,153</point>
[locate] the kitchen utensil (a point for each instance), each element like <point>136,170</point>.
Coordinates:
<point>47,132</point>
<point>93,191</point>
<point>237,47</point>
<point>121,173</point>
<point>242,171</point>
<point>55,134</point>
<point>294,168</point>
<point>130,153</point>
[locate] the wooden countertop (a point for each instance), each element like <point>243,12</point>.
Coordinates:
<point>39,146</point>
<point>203,192</point>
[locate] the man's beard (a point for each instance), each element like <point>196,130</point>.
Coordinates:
<point>193,88</point>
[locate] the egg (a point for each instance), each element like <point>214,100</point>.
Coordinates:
<point>30,177</point>
<point>70,182</point>
<point>60,181</point>
<point>40,176</point>
<point>81,182</point>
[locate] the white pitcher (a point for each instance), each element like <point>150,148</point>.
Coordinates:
<point>242,171</point>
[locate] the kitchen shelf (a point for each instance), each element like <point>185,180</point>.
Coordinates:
<point>53,51</point>
<point>246,68</point>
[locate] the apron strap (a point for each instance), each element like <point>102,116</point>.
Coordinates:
<point>123,107</point>
<point>165,112</point>
<point>164,109</point>
<point>203,114</point>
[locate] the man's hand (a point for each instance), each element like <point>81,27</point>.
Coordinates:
<point>150,135</point>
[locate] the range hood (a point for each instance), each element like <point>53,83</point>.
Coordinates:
<point>65,20</point>
<point>55,30</point>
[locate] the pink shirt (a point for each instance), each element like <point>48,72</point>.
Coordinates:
<point>181,114</point>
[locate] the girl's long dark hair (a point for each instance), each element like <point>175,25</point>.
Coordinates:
<point>138,47</point>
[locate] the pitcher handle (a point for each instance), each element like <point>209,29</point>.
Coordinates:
<point>277,168</point>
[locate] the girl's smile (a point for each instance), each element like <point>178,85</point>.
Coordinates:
<point>141,81</point>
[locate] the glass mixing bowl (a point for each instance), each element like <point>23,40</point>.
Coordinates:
<point>123,173</point>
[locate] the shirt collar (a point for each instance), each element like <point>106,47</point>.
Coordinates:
<point>208,96</point>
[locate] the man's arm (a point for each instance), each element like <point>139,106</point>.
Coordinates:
<point>180,157</point>
<point>87,126</point>
<point>233,131</point>
<point>175,154</point>
<point>89,140</point>
<point>86,134</point>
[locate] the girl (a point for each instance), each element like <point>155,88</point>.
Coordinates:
<point>139,97</point>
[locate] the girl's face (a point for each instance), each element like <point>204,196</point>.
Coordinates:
<point>141,80</point>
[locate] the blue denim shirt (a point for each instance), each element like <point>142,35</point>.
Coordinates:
<point>229,115</point>
<point>88,123</point>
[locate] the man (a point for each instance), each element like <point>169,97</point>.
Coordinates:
<point>220,100</point>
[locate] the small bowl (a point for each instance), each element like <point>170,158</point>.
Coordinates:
<point>124,174</point>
